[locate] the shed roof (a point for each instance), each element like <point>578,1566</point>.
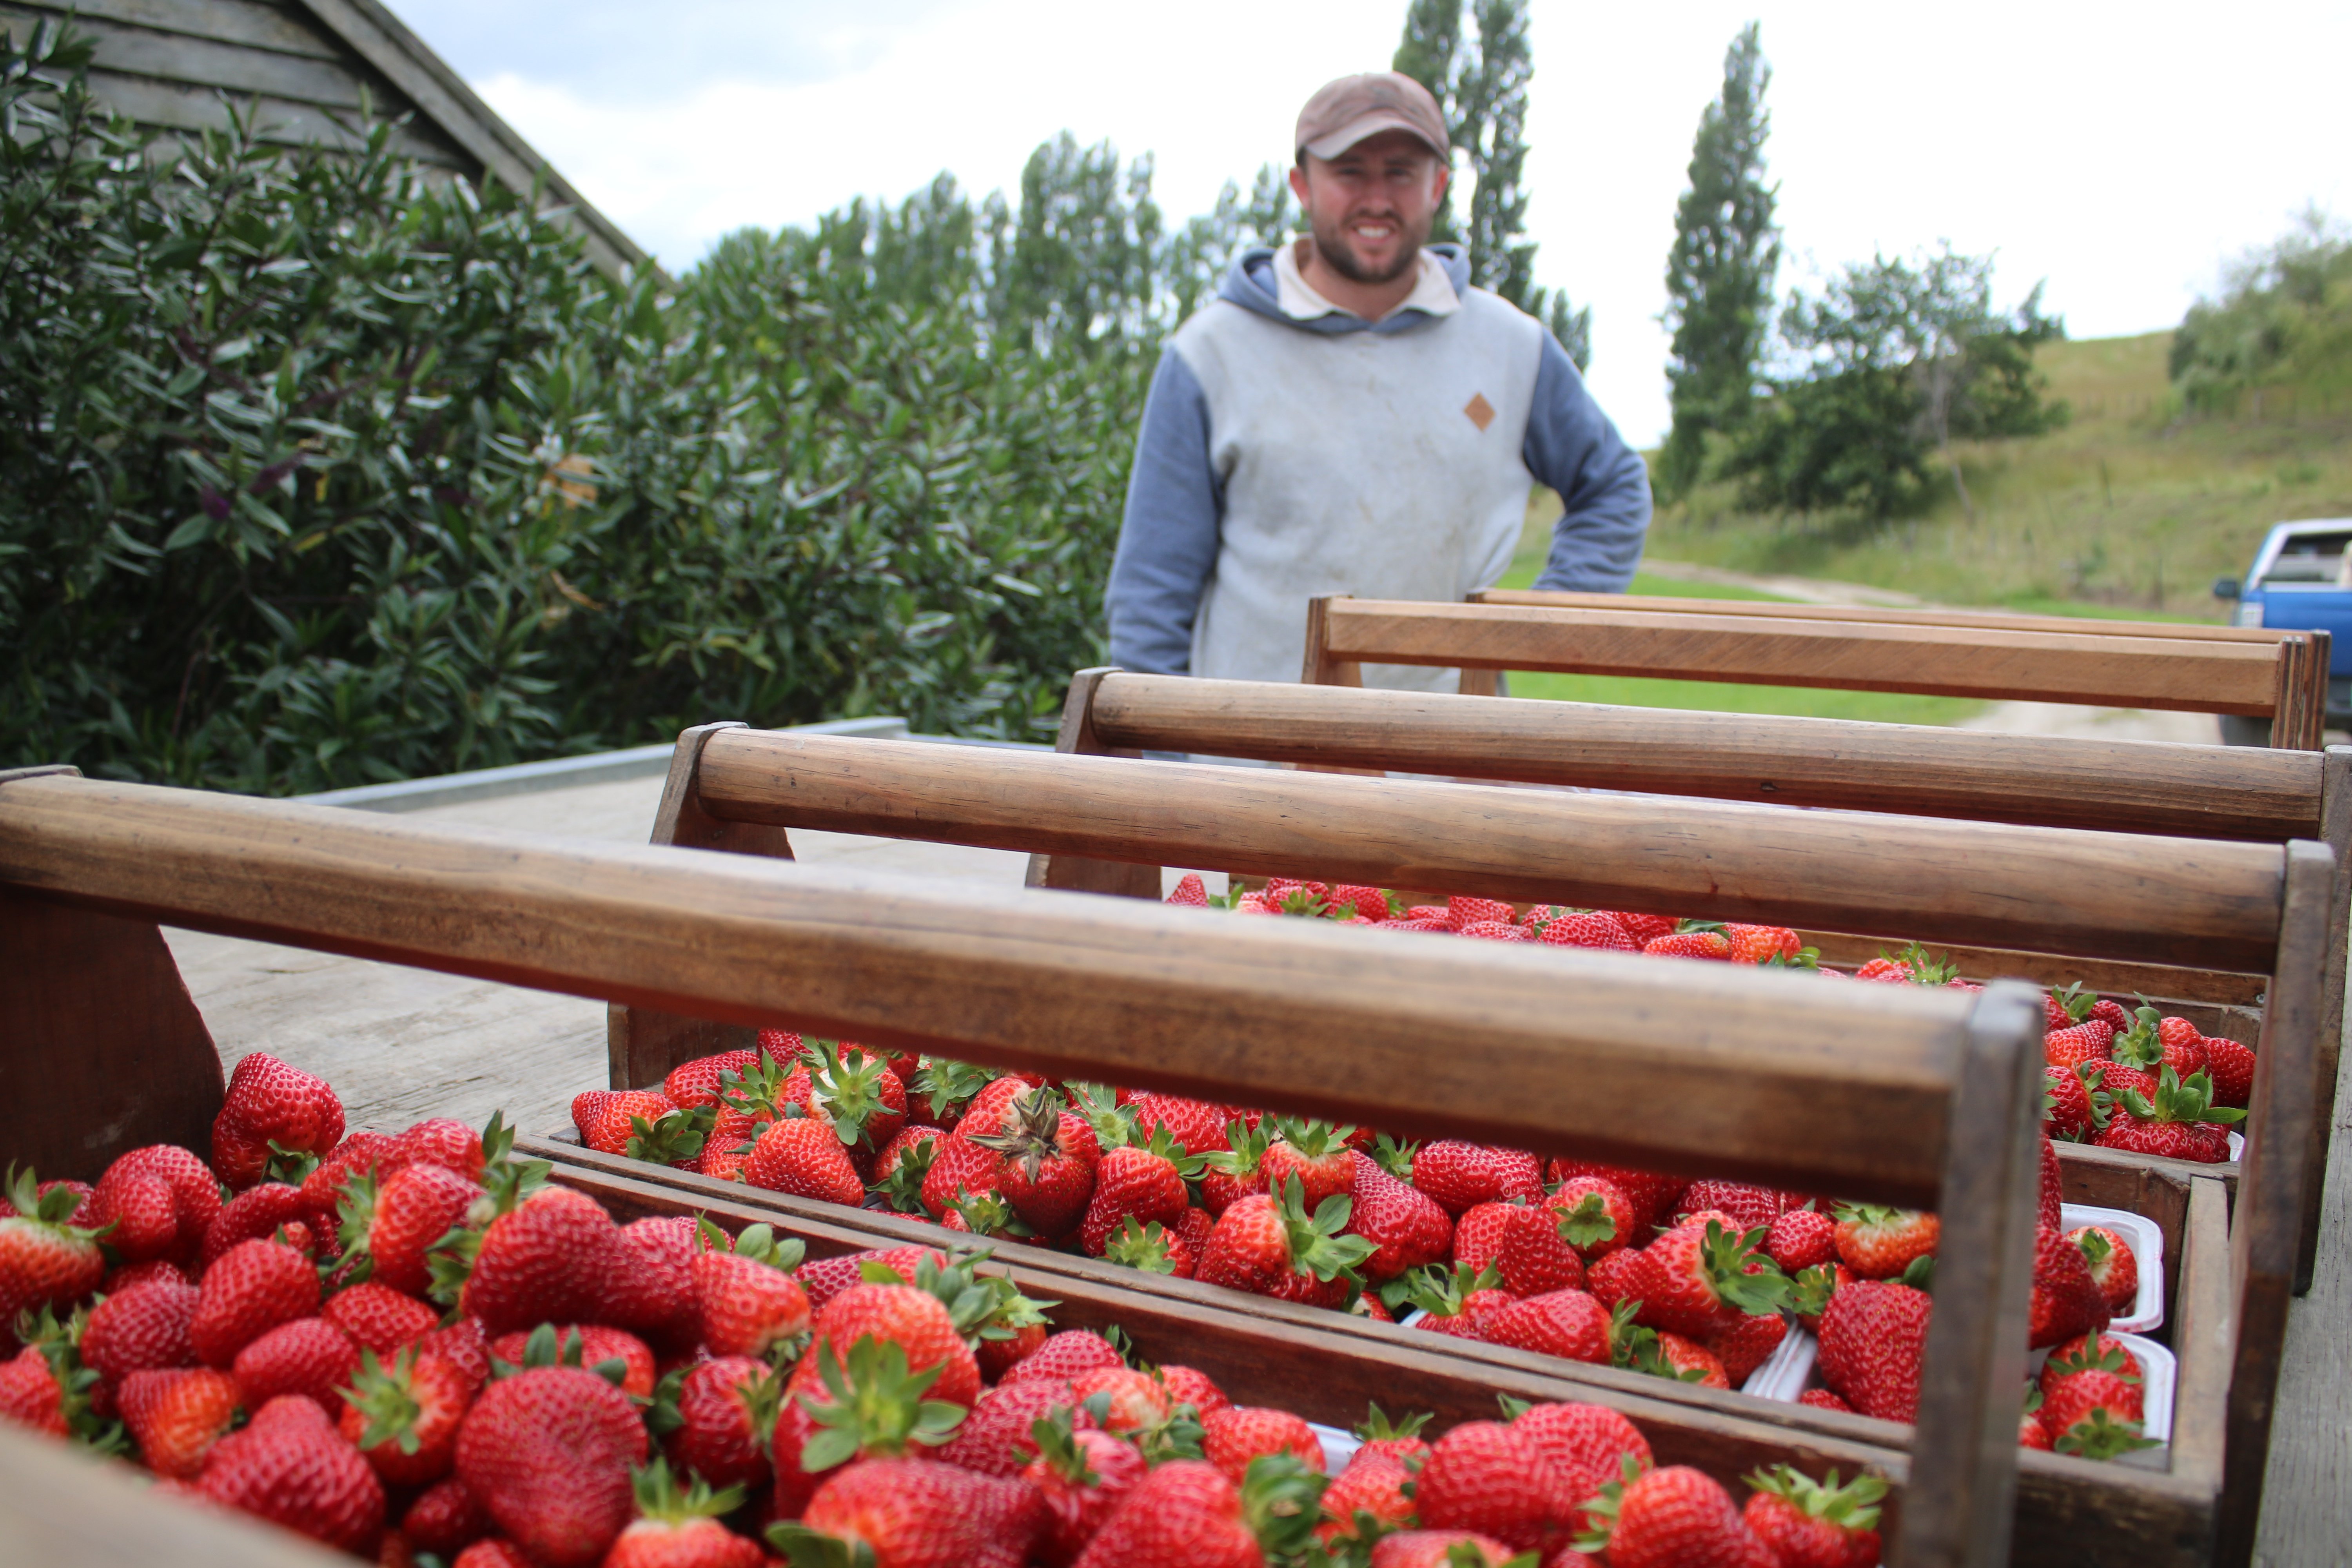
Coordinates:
<point>172,65</point>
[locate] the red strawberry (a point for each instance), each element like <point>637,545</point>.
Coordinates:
<point>1816,1524</point>
<point>1000,1356</point>
<point>1618,1276</point>
<point>1455,1302</point>
<point>2177,1120</point>
<point>269,1102</point>
<point>913,1319</point>
<point>543,1261</point>
<point>1872,1337</point>
<point>1050,1156</point>
<point>2154,1042</point>
<point>1644,928</point>
<point>803,1155</point>
<point>1740,1203</point>
<point>361,1154</point>
<point>1540,1255</point>
<point>1822,1399</point>
<point>1190,892</point>
<point>613,1353</point>
<point>1663,1354</point>
<point>1270,1246</point>
<point>1146,1182</point>
<point>720,1417</point>
<point>2070,1106</point>
<point>445,1519</point>
<point>1594,930</point>
<point>379,1319</point>
<point>1487,1476</point>
<point>1355,899</point>
<point>1127,1402</point>
<point>293,1468</point>
<point>853,1088</point>
<point>1407,1228</point>
<point>254,1287</point>
<point>1800,1239</point>
<point>1761,944</point>
<point>1674,1518</point>
<point>1154,1249</point>
<point>693,1085</point>
<point>1190,1385</point>
<point>1316,1152</point>
<point>588,1110</point>
<point>2053,1184</point>
<point>781,1047</point>
<point>191,1199</point>
<point>1455,1549</point>
<point>2231,1066</point>
<point>2065,1301</point>
<point>1461,911</point>
<point>444,1142</point>
<point>2114,1269</point>
<point>396,1219</point>
<point>1481,1231</point>
<point>609,1129</point>
<point>176,1414</point>
<point>1588,1443</point>
<point>463,1342</point>
<point>959,1168</point>
<point>1880,1243</point>
<point>45,1260</point>
<point>1231,1438</point>
<point>1699,1278</point>
<point>650,1290</point>
<point>254,1214</point>
<point>1593,1214</point>
<point>1067,1355</point>
<point>1236,1172</point>
<point>154,1272</point>
<point>678,1527</point>
<point>746,1299</point>
<point>1747,1344</point>
<point>32,1397</point>
<point>404,1415</point>
<point>828,1277</point>
<point>1654,1196</point>
<point>1459,1175</point>
<point>2086,1354</point>
<point>1709,944</point>
<point>548,1452</point>
<point>1565,1324</point>
<point>912,1513</point>
<point>141,1329</point>
<point>1082,1475</point>
<point>1375,1484</point>
<point>1185,1514</point>
<point>1000,1437</point>
<point>1493,931</point>
<point>309,1357</point>
<point>2069,1048</point>
<point>1196,1126</point>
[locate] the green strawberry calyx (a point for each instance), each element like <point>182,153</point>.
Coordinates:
<point>848,1092</point>
<point>2178,1101</point>
<point>902,1189</point>
<point>1282,1501</point>
<point>1143,1247</point>
<point>1248,1149</point>
<point>1036,1135</point>
<point>1727,1255</point>
<point>672,1139</point>
<point>1378,1426</point>
<point>1853,1507</point>
<point>1602,1510</point>
<point>1394,1157</point>
<point>2075,1002</point>
<point>2094,1356</point>
<point>877,1408</point>
<point>1586,1225</point>
<point>1317,1244</point>
<point>541,1348</point>
<point>2099,1435</point>
<point>1058,1444</point>
<point>659,1497</point>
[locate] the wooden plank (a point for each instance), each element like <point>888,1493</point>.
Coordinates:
<point>2125,787</point>
<point>1773,1074</point>
<point>1974,884</point>
<point>1939,616</point>
<point>2201,677</point>
<point>234,68</point>
<point>2336,832</point>
<point>1321,668</point>
<point>1076,873</point>
<point>249,23</point>
<point>106,1052</point>
<point>175,106</point>
<point>2162,983</point>
<point>2201,1334</point>
<point>2266,1234</point>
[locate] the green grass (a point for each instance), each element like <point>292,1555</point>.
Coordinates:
<point>1722,696</point>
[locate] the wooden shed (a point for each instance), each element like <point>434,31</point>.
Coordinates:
<point>301,66</point>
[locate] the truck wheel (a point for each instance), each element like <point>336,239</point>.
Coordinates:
<point>2237,730</point>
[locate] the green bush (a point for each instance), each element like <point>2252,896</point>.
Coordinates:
<point>2284,319</point>
<point>318,471</point>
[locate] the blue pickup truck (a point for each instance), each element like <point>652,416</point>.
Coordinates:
<point>2301,581</point>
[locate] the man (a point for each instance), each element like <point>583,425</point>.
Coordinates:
<point>1349,416</point>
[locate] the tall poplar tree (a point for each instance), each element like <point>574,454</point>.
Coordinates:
<point>1480,81</point>
<point>1720,273</point>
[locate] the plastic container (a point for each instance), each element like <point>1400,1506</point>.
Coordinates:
<point>2158,1374</point>
<point>1788,1371</point>
<point>2146,1242</point>
<point>1338,1446</point>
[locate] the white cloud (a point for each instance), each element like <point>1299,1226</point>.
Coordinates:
<point>2122,154</point>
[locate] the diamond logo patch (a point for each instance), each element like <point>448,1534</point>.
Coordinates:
<point>1481,412</point>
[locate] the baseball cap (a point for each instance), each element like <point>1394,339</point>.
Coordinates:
<point>1345,111</point>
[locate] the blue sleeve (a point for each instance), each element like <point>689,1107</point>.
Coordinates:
<point>1574,447</point>
<point>1168,541</point>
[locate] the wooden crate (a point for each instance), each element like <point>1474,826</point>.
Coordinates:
<point>1912,1096</point>
<point>2110,786</point>
<point>1105,823</point>
<point>2279,676</point>
<point>2071,1513</point>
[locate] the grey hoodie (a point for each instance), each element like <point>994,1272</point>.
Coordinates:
<point>1281,458</point>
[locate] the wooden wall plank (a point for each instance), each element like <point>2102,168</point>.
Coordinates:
<point>1078,738</point>
<point>1774,1074</point>
<point>177,106</point>
<point>2123,787</point>
<point>233,67</point>
<point>250,22</point>
<point>2201,1332</point>
<point>1996,620</point>
<point>1975,884</point>
<point>2122,672</point>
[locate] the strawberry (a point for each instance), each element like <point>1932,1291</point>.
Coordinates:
<point>2108,1011</point>
<point>1269,1247</point>
<point>910,1513</point>
<point>1800,1239</point>
<point>999,1356</point>
<point>1619,1276</point>
<point>445,1519</point>
<point>543,1260</point>
<point>1050,1156</point>
<point>1455,1301</point>
<point>803,1156</point>
<point>404,1415</point>
<point>1747,1344</point>
<point>959,1168</point>
<point>746,1299</point>
<point>825,1277</point>
<point>1000,1436</point>
<point>1539,1255</point>
<point>2114,1269</point>
<point>1593,1214</point>
<point>45,1259</point>
<point>1701,944</point>
<point>1371,1497</point>
<point>155,1270</point>
<point>1652,1196</point>
<point>254,1287</point>
<point>2064,1300</point>
<point>191,1197</point>
<point>1316,1152</point>
<point>588,1110</point>
<point>392,1222</point>
<point>1191,894</point>
<point>549,1451</point>
<point>1815,1524</point>
<point>1480,1233</point>
<point>911,1319</point>
<point>1144,1181</point>
<point>1346,898</point>
<point>496,1552</point>
<point>1461,911</point>
<point>1593,929</point>
<point>1809,1290</point>
<point>943,1089</point>
<point>2053,1184</point>
<point>679,1527</point>
<point>1236,1171</point>
<point>852,1088</point>
<point>1672,1517</point>
<point>1066,1355</point>
<point>650,1289</point>
<point>1565,1323</point>
<point>1742,1205</point>
<point>1589,1445</point>
<point>2154,1042</point>
<point>444,1142</point>
<point>1759,944</point>
<point>2070,1106</point>
<point>779,1046</point>
<point>256,1213</point>
<point>176,1414</point>
<point>269,1103</point>
<point>693,1085</point>
<point>1880,1243</point>
<point>1154,1249</point>
<point>141,1329</point>
<point>1196,1126</point>
<point>1483,1476</point>
<point>1186,1514</point>
<point>1493,931</point>
<point>2088,1383</point>
<point>1873,1334</point>
<point>1458,1175</point>
<point>2086,1354</point>
<point>1644,928</point>
<point>2231,1066</point>
<point>32,1395</point>
<point>293,1468</point>
<point>618,1356</point>
<point>1699,1278</point>
<point>2178,1121</point>
<point>1190,1385</point>
<point>720,1409</point>
<point>1123,1400</point>
<point>1406,1227</point>
<point>1453,1548</point>
<point>1659,1352</point>
<point>1231,1438</point>
<point>309,1357</point>
<point>1822,1399</point>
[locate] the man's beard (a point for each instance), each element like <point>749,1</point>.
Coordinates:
<point>1338,253</point>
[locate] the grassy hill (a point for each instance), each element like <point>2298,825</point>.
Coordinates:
<point>2130,509</point>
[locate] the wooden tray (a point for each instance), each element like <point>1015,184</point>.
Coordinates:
<point>1912,1096</point>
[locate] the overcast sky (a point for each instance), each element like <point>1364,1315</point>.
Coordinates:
<point>2124,153</point>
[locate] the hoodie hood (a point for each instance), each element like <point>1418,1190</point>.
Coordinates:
<point>1251,286</point>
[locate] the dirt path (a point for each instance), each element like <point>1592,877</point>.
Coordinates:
<point>2002,718</point>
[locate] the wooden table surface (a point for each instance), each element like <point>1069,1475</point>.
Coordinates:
<point>400,1043</point>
